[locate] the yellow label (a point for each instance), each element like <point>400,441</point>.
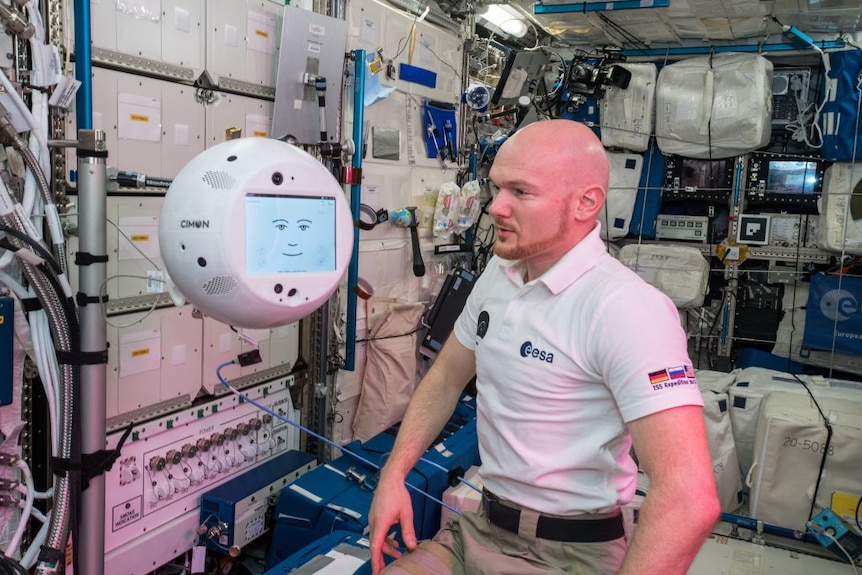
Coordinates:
<point>261,33</point>
<point>140,237</point>
<point>140,352</point>
<point>259,134</point>
<point>844,505</point>
<point>139,118</point>
<point>2,319</point>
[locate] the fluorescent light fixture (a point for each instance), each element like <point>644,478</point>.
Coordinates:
<point>506,19</point>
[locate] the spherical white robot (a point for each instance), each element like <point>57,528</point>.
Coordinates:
<point>256,233</point>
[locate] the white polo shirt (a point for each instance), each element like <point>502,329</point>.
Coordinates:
<point>562,362</point>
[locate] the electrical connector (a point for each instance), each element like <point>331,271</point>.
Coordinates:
<point>16,22</point>
<point>8,458</point>
<point>8,484</point>
<point>832,533</point>
<point>249,358</point>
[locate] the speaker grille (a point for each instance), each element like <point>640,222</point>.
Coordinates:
<point>220,285</point>
<point>219,180</point>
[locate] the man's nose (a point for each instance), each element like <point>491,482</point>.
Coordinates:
<point>499,207</point>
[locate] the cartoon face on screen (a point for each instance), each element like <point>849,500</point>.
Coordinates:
<point>289,234</point>
<point>294,233</point>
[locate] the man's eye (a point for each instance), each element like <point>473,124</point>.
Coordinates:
<point>304,227</point>
<point>280,227</point>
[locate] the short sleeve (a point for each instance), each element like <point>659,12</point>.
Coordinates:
<point>641,351</point>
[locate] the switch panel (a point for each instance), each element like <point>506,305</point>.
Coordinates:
<point>169,462</point>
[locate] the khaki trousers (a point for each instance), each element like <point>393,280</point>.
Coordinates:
<point>470,545</point>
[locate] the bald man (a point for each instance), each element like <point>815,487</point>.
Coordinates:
<point>576,359</point>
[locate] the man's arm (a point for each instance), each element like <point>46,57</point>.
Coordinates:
<point>681,506</point>
<point>430,407</point>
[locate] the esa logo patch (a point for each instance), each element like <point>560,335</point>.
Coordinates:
<point>527,350</point>
<point>482,324</point>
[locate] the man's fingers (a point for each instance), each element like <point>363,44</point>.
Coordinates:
<point>390,547</point>
<point>408,535</point>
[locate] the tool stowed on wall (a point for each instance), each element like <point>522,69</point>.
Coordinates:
<point>440,131</point>
<point>406,218</point>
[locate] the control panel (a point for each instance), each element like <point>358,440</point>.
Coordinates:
<point>792,230</point>
<point>236,512</point>
<point>681,227</point>
<point>781,180</point>
<point>692,179</point>
<point>167,463</point>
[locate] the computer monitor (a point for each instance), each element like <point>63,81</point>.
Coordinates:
<point>521,75</point>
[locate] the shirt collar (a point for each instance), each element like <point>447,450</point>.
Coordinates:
<point>574,263</point>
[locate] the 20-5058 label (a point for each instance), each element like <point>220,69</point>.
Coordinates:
<point>808,445</point>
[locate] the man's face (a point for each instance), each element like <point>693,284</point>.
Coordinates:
<point>533,216</point>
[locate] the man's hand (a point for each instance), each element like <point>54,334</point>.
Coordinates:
<point>391,505</point>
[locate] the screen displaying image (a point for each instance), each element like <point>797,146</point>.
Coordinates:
<point>704,174</point>
<point>289,234</point>
<point>792,177</point>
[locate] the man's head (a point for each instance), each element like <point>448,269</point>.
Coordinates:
<point>550,181</point>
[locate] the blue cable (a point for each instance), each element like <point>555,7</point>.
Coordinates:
<point>327,441</point>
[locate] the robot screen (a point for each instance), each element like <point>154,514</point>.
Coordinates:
<point>289,234</point>
<point>255,233</point>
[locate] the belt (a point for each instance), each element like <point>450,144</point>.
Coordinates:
<point>570,530</point>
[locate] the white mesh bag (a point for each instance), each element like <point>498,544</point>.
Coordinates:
<point>714,106</point>
<point>680,272</point>
<point>722,449</point>
<point>624,177</point>
<point>626,116</point>
<point>840,206</point>
<point>790,445</point>
<point>754,383</point>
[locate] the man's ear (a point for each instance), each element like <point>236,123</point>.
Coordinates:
<point>590,204</point>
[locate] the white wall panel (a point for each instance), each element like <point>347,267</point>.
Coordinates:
<point>172,35</point>
<point>133,235</point>
<point>151,126</point>
<point>284,345</point>
<point>152,358</point>
<point>220,345</point>
<point>242,43</point>
<point>183,33</point>
<point>390,113</point>
<point>436,49</point>
<point>387,266</point>
<point>252,116</point>
<point>277,347</point>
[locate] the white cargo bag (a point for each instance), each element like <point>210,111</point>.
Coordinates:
<point>840,225</point>
<point>715,106</point>
<point>722,449</point>
<point>680,272</point>
<point>624,177</point>
<point>746,394</point>
<point>626,116</point>
<point>790,444</point>
<point>751,386</point>
<point>708,380</point>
